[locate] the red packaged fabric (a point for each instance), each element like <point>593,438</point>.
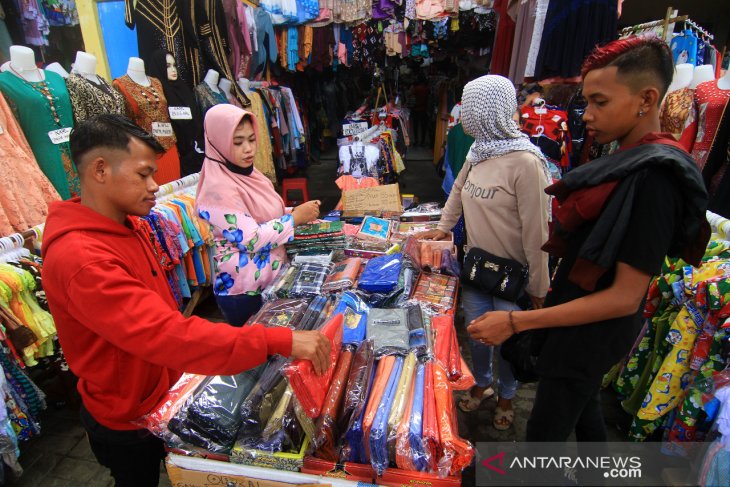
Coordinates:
<point>324,439</point>
<point>448,353</point>
<point>156,420</point>
<point>310,388</point>
<point>457,452</point>
<point>431,443</point>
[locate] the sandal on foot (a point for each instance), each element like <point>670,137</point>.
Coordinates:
<point>470,403</point>
<point>503,418</point>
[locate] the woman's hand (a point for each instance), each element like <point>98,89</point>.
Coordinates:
<point>306,212</point>
<point>491,328</point>
<point>432,235</point>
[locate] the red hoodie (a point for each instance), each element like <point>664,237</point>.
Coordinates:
<point>118,322</point>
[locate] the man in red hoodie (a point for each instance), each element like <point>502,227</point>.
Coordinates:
<point>117,319</point>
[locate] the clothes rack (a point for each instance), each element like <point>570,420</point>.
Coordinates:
<point>694,26</point>
<point>669,19</point>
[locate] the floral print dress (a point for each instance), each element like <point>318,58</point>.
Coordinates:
<point>248,255</point>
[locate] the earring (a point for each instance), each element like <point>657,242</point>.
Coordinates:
<point>641,113</point>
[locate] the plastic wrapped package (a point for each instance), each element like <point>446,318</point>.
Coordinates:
<point>388,328</point>
<point>288,438</point>
<point>458,453</point>
<point>343,276</point>
<point>305,421</point>
<point>449,264</point>
<point>282,286</point>
<point>352,440</point>
<point>156,420</point>
<point>355,312</point>
<point>357,383</point>
<point>419,458</point>
<point>400,402</point>
<point>417,341</point>
<point>430,436</point>
<point>412,252</point>
<point>215,410</point>
<point>380,382</point>
<point>281,312</point>
<point>378,435</point>
<point>270,293</point>
<point>400,448</point>
<point>436,290</point>
<point>447,346</point>
<point>310,320</point>
<point>326,434</point>
<point>308,280</point>
<point>259,404</point>
<point>381,274</point>
<point>309,387</point>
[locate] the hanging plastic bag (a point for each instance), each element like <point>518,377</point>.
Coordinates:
<point>309,387</point>
<point>326,434</point>
<point>458,453</point>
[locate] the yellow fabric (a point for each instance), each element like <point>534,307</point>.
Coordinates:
<point>401,395</point>
<point>667,390</point>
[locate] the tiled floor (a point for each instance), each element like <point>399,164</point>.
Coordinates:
<point>61,456</point>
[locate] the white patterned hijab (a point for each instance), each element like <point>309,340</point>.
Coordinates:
<point>488,104</point>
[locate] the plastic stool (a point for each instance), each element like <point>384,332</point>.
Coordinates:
<point>294,191</point>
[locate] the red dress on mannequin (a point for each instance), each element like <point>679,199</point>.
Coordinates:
<point>704,120</point>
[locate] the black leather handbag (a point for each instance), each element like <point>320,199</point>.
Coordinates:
<point>500,277</point>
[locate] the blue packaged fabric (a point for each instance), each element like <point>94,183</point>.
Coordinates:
<point>355,313</point>
<point>353,450</point>
<point>381,274</point>
<point>415,433</point>
<point>379,431</point>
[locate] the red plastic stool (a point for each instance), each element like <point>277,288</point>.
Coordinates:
<point>294,191</point>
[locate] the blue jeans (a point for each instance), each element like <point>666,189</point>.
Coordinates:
<point>475,304</point>
<point>239,308</point>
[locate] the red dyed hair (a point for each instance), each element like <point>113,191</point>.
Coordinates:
<point>605,55</point>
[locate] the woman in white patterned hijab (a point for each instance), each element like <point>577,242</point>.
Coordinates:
<point>488,105</point>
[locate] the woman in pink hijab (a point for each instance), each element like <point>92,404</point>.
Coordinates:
<point>247,216</point>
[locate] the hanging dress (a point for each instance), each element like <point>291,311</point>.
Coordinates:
<point>89,99</point>
<point>43,109</point>
<point>147,107</point>
<point>25,191</point>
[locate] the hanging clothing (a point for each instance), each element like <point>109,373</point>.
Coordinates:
<point>524,29</point>
<point>246,214</point>
<point>159,26</point>
<point>263,160</point>
<point>207,97</point>
<point>43,108</point>
<point>505,37</point>
<point>185,116</point>
<point>205,20</point>
<point>267,50</point>
<point>25,192</point>
<point>709,103</point>
<point>147,107</point>
<point>534,49</point>
<point>675,112</point>
<point>89,99</point>
<point>571,31</point>
<point>684,48</point>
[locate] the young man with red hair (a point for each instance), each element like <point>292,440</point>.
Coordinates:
<point>619,216</point>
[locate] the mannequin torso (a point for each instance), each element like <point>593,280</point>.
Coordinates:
<point>22,64</point>
<point>225,86</point>
<point>211,79</point>
<point>85,65</point>
<point>245,85</point>
<point>702,74</point>
<point>136,71</point>
<point>724,82</point>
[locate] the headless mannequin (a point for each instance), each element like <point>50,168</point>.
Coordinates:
<point>58,69</point>
<point>702,74</point>
<point>724,82</point>
<point>85,66</point>
<point>211,79</point>
<point>136,71</point>
<point>22,64</point>
<point>682,77</point>
<point>245,85</point>
<point>225,86</point>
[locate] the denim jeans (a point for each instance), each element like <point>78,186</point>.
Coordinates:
<point>239,308</point>
<point>475,304</point>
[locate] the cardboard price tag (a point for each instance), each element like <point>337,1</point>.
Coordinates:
<point>180,113</point>
<point>162,129</point>
<point>60,136</point>
<point>349,129</point>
